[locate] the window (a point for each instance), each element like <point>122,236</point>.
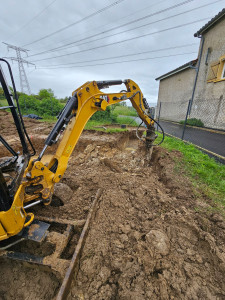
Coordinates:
<point>216,70</point>
<point>213,70</point>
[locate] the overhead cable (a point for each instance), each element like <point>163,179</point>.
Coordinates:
<point>77,22</point>
<point>120,56</point>
<point>123,41</point>
<point>117,27</point>
<point>34,18</point>
<point>113,22</point>
<point>119,62</point>
<point>127,30</point>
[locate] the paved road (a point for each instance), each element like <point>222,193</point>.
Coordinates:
<point>212,141</point>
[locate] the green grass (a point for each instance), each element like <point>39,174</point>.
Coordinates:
<point>193,122</point>
<point>3,102</point>
<point>99,126</point>
<point>125,111</point>
<point>92,124</point>
<point>205,172</point>
<point>127,121</point>
<point>49,119</point>
<point>113,130</point>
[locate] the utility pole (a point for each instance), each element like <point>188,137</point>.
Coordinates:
<point>24,84</point>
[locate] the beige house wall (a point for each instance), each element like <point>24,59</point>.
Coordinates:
<point>209,100</point>
<point>174,93</point>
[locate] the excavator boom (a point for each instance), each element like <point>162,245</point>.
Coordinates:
<point>41,176</point>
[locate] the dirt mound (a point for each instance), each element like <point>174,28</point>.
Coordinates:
<point>147,240</point>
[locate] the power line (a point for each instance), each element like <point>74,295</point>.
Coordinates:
<point>34,18</point>
<point>119,42</point>
<point>119,56</point>
<point>119,62</point>
<point>141,26</point>
<point>77,22</point>
<point>124,17</point>
<point>117,27</point>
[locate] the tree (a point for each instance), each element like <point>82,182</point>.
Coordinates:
<point>46,93</point>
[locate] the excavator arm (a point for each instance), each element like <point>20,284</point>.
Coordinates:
<point>39,177</point>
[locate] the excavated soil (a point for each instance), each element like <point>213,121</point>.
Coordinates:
<point>147,240</point>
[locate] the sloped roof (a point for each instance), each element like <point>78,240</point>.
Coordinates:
<point>179,69</point>
<point>211,23</point>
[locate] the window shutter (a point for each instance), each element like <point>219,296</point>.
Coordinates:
<point>213,70</point>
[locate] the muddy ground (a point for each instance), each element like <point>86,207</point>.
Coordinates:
<point>151,237</point>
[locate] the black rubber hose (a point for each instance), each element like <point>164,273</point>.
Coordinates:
<point>158,125</point>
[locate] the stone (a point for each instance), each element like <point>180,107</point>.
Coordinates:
<point>62,191</point>
<point>159,241</point>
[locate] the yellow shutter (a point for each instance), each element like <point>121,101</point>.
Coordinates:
<point>213,70</point>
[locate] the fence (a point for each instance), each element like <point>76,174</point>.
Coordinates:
<point>201,122</point>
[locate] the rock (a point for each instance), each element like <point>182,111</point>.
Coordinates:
<point>89,148</point>
<point>124,238</point>
<point>62,191</point>
<point>104,273</point>
<point>159,241</point>
<point>190,252</point>
<point>118,244</point>
<point>125,228</point>
<point>137,235</point>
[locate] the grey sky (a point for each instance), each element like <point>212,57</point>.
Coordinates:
<point>16,14</point>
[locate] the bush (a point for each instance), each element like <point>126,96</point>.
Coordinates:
<point>194,122</point>
<point>44,107</point>
<point>50,107</point>
<point>102,115</point>
<point>28,103</point>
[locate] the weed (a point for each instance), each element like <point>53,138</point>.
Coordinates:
<point>193,122</point>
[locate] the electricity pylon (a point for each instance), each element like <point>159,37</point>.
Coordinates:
<point>24,84</point>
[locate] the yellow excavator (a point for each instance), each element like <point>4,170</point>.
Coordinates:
<point>34,180</point>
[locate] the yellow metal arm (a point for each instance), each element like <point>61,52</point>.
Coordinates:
<point>89,100</point>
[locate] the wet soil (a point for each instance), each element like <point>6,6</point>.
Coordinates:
<point>147,240</point>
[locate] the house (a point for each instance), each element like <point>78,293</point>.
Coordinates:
<point>175,90</point>
<point>201,81</point>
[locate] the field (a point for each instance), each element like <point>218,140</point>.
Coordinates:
<point>158,231</point>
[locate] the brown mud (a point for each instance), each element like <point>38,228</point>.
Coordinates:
<point>147,240</point>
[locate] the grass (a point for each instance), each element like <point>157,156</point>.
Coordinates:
<point>204,171</point>
<point>99,126</point>
<point>193,122</point>
<point>124,111</point>
<point>49,119</point>
<point>94,124</point>
<point>127,121</point>
<point>3,102</point>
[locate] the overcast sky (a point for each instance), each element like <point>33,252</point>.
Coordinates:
<point>25,21</point>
